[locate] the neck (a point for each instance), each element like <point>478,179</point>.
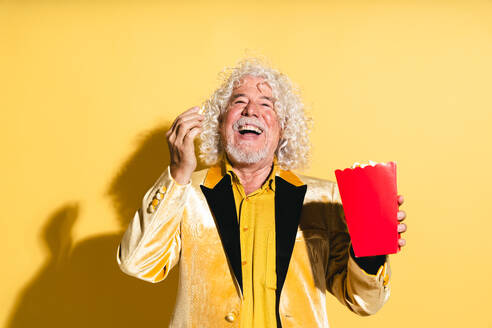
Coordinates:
<point>252,176</point>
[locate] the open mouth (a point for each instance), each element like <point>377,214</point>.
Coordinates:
<point>250,130</point>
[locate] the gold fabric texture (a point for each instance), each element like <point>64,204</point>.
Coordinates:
<point>182,229</point>
<point>256,214</point>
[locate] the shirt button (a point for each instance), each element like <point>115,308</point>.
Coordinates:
<point>245,229</point>
<point>230,317</point>
<point>244,262</point>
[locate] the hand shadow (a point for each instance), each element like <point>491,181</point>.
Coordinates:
<point>84,287</point>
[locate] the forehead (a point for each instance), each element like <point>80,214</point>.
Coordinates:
<point>254,84</point>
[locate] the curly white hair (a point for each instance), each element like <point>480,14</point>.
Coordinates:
<point>293,149</point>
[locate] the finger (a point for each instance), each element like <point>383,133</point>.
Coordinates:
<point>190,116</point>
<point>192,110</point>
<point>402,227</point>
<point>402,242</point>
<point>401,215</point>
<point>191,135</point>
<point>400,200</point>
<point>187,117</point>
<point>171,134</point>
<point>188,121</point>
<point>174,131</point>
<point>183,129</point>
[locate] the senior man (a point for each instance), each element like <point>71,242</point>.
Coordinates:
<point>257,245</point>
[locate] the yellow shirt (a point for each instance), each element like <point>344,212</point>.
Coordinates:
<point>256,214</point>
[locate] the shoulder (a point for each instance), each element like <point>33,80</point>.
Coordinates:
<point>320,189</point>
<point>313,181</point>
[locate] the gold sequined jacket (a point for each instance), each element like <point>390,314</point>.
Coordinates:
<point>196,226</point>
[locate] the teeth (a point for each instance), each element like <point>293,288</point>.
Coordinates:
<point>250,128</point>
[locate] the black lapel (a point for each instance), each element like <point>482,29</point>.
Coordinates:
<point>221,202</point>
<point>288,206</point>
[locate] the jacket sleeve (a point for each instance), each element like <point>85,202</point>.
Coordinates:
<point>362,292</point>
<point>151,245</point>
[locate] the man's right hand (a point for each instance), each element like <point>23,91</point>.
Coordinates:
<point>181,148</point>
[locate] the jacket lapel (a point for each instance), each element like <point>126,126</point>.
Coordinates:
<point>288,205</point>
<point>220,199</point>
<point>289,198</point>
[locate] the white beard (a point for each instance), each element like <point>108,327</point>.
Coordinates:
<point>242,156</point>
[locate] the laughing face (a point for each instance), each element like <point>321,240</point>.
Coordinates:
<point>250,129</point>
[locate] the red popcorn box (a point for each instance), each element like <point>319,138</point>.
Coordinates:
<point>369,200</point>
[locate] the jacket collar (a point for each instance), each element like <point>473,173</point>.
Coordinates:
<point>217,172</point>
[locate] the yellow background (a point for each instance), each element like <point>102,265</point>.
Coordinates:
<point>88,89</point>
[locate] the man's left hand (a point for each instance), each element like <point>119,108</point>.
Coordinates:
<point>402,227</point>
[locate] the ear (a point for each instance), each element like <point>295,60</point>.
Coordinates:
<point>282,143</point>
<point>281,131</point>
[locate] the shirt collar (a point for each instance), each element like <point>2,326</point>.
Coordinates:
<point>269,182</point>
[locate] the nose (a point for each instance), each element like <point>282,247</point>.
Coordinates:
<point>251,109</point>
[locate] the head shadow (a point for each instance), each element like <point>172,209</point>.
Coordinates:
<point>81,285</point>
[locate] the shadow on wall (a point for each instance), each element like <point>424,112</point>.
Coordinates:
<point>81,285</point>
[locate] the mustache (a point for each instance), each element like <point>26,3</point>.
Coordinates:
<point>248,121</point>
